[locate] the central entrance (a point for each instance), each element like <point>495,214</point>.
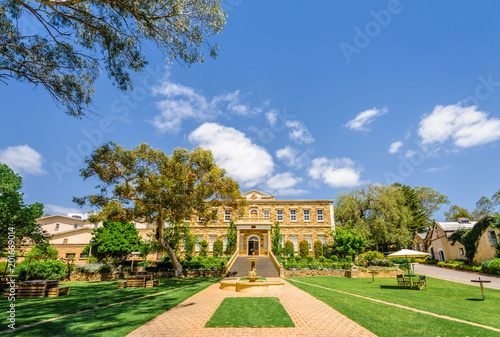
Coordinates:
<point>253,245</point>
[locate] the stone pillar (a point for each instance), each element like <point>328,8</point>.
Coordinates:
<point>269,243</point>
<point>238,241</point>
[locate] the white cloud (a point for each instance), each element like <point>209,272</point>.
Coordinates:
<point>291,157</point>
<point>272,117</point>
<point>338,172</point>
<point>22,159</point>
<point>365,118</point>
<point>395,147</point>
<point>283,183</point>
<point>464,126</point>
<point>181,102</point>
<point>410,153</point>
<point>244,161</point>
<point>55,209</point>
<point>299,132</point>
<point>437,169</point>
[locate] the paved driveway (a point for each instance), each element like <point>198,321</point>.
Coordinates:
<point>456,275</point>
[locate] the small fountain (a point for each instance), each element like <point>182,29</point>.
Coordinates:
<point>251,285</point>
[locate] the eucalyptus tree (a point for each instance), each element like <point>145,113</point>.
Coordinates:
<point>63,45</point>
<point>144,184</point>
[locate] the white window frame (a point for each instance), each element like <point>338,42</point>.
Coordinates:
<point>322,238</point>
<point>318,212</point>
<point>293,215</point>
<point>307,215</point>
<point>224,242</point>
<point>308,238</point>
<point>279,213</point>
<point>199,238</point>
<point>267,213</point>
<point>295,240</point>
<point>210,242</point>
<point>227,215</point>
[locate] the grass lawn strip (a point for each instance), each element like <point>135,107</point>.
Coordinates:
<point>442,297</point>
<point>369,315</point>
<point>250,312</point>
<point>91,296</point>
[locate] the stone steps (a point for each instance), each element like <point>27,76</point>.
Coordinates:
<point>264,267</point>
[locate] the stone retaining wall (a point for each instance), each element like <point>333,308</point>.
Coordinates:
<point>342,273</point>
<point>77,276</point>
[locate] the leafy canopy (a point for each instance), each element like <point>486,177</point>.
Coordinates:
<point>115,240</point>
<point>68,43</point>
<point>146,185</point>
<point>43,251</point>
<point>347,242</point>
<point>456,212</point>
<point>14,213</point>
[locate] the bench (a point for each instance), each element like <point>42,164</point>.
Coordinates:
<point>59,291</point>
<point>121,284</point>
<point>138,281</point>
<point>6,292</point>
<point>152,283</point>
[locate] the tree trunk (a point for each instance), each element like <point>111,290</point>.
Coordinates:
<point>173,257</point>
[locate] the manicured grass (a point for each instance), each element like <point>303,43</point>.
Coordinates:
<point>116,320</point>
<point>442,297</point>
<point>258,312</point>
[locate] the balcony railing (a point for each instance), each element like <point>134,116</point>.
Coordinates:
<point>254,220</point>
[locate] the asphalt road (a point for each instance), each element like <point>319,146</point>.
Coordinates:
<point>456,275</point>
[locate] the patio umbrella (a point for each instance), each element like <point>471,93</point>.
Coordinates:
<point>408,252</point>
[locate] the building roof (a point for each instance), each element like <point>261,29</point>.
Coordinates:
<point>61,216</point>
<point>452,226</point>
<point>423,235</point>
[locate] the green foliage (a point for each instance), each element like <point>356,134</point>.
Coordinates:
<point>310,258</point>
<point>303,248</point>
<point>41,270</point>
<point>115,240</point>
<point>76,40</point>
<point>321,258</point>
<point>276,239</point>
<point>318,248</point>
<point>231,237</point>
<point>203,248</point>
<point>189,245</point>
<point>289,248</point>
<point>415,206</point>
<point>14,213</point>
<point>470,237</point>
<point>347,241</point>
<point>494,265</point>
<point>348,258</point>
<point>430,201</point>
<point>144,184</point>
<point>456,212</point>
<point>379,213</point>
<point>371,256</point>
<point>334,258</point>
<point>484,206</point>
<point>94,268</point>
<point>43,251</point>
<point>218,248</point>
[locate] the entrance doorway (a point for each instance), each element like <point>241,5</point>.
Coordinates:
<point>253,245</point>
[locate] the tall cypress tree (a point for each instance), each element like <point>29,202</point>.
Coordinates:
<point>276,238</point>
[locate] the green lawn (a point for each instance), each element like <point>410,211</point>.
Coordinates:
<point>258,312</point>
<point>442,297</point>
<point>116,320</point>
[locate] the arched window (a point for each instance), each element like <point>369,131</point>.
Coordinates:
<point>254,213</point>
<point>441,255</point>
<point>431,251</point>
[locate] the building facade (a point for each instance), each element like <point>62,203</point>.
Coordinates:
<point>436,242</point>
<point>309,220</point>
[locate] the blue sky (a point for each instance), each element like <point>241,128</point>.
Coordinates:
<point>306,99</point>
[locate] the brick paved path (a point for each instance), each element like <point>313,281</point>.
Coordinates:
<point>310,316</point>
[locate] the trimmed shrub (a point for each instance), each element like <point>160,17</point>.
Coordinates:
<point>303,248</point>
<point>218,248</point>
<point>203,248</point>
<point>371,256</point>
<point>348,258</point>
<point>318,248</point>
<point>310,258</point>
<point>494,266</point>
<point>298,258</point>
<point>321,258</point>
<point>42,270</point>
<point>94,268</point>
<point>334,258</point>
<point>289,248</point>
